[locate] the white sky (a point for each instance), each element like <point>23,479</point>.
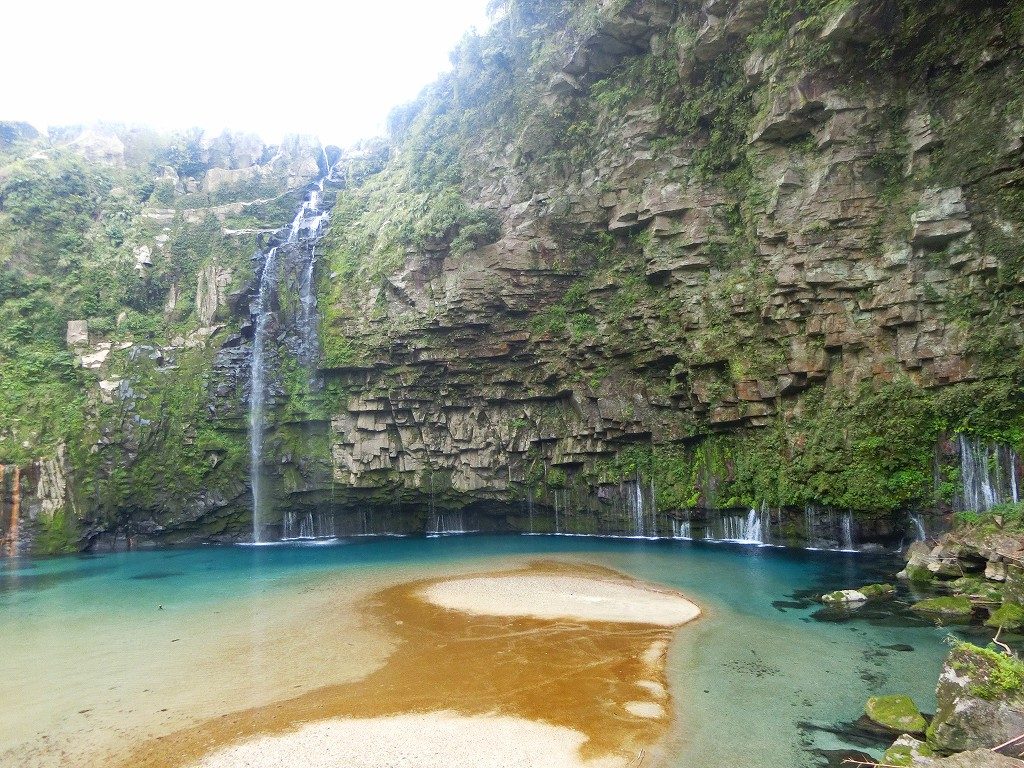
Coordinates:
<point>332,69</point>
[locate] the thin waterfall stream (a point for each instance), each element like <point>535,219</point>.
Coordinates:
<point>303,235</point>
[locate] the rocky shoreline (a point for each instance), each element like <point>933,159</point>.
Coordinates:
<point>971,576</point>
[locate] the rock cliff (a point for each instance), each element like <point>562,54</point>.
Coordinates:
<point>745,253</point>
<point>627,265</point>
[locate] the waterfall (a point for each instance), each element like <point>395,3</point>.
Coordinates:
<point>826,529</point>
<point>308,526</point>
<point>681,529</point>
<point>729,528</point>
<point>988,472</point>
<point>529,508</point>
<point>448,524</point>
<point>257,399</point>
<point>15,519</point>
<point>635,505</point>
<point>752,527</point>
<point>809,514</point>
<point>920,534</point>
<point>654,511</point>
<point>312,221</point>
<point>305,229</point>
<point>15,510</point>
<point>846,531</point>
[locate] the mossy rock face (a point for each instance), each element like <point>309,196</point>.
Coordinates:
<point>878,591</point>
<point>1014,589</point>
<point>945,607</point>
<point>897,713</point>
<point>1009,616</point>
<point>905,750</point>
<point>980,700</point>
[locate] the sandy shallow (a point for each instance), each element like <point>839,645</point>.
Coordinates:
<point>515,668</point>
<point>563,596</point>
<point>433,740</point>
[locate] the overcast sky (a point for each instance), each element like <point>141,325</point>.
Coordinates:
<point>332,69</point>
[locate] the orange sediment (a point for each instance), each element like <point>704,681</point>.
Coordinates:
<point>600,679</point>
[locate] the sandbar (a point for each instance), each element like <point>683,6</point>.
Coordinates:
<point>563,596</point>
<point>430,740</point>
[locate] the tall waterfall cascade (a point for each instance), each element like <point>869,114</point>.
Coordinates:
<point>989,473</point>
<point>302,237</point>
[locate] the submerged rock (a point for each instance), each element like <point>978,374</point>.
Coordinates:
<point>896,713</point>
<point>954,607</point>
<point>878,591</point>
<point>848,597</point>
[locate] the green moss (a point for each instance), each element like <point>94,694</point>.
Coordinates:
<point>918,574</point>
<point>944,607</point>
<point>556,478</point>
<point>902,753</point>
<point>59,534</point>
<point>977,588</point>
<point>1007,518</point>
<point>994,674</point>
<point>878,591</point>
<point>896,712</point>
<point>1009,616</point>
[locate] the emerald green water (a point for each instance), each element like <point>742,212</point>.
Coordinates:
<point>758,682</point>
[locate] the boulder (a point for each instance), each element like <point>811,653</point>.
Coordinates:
<point>980,700</point>
<point>919,557</point>
<point>907,750</point>
<point>995,570</point>
<point>862,21</point>
<point>844,597</point>
<point>78,333</point>
<point>896,713</point>
<point>97,358</point>
<point>1013,591</point>
<point>143,257</point>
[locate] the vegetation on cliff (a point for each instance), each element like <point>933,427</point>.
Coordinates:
<point>746,253</point>
<point>750,398</point>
